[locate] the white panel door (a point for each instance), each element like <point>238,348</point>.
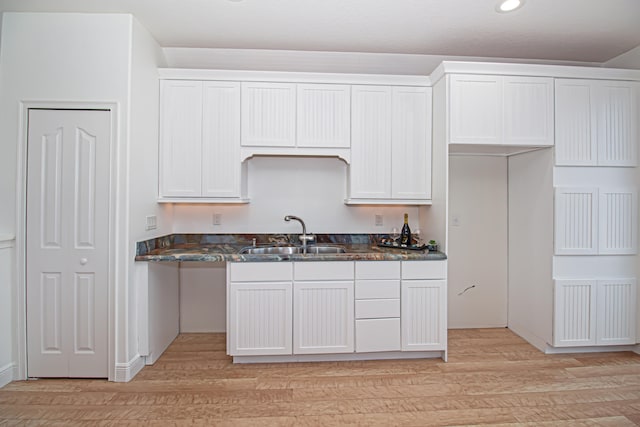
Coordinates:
<point>616,312</point>
<point>67,243</point>
<point>616,109</point>
<point>370,169</point>
<point>528,111</point>
<point>575,123</point>
<point>324,115</point>
<point>574,313</point>
<point>411,143</point>
<point>618,221</point>
<point>180,138</point>
<point>260,316</point>
<point>323,317</point>
<point>221,166</point>
<point>268,114</point>
<point>576,221</point>
<point>475,109</point>
<point>424,315</point>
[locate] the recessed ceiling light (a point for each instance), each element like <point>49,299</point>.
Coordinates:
<point>509,5</point>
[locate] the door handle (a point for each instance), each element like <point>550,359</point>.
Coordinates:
<point>83,261</point>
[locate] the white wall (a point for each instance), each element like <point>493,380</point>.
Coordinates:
<point>477,241</point>
<point>203,296</point>
<point>311,188</point>
<point>630,59</point>
<point>7,358</point>
<point>71,59</point>
<point>531,246</point>
<point>140,184</point>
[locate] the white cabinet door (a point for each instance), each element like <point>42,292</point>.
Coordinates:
<point>370,170</point>
<point>616,312</point>
<point>180,138</point>
<point>616,110</point>
<point>411,143</point>
<point>221,166</point>
<point>373,335</point>
<point>576,221</point>
<point>324,115</point>
<point>594,312</point>
<point>596,123</point>
<point>576,143</point>
<point>424,315</point>
<point>475,109</point>
<point>260,318</point>
<point>268,114</point>
<point>574,313</point>
<point>618,221</point>
<point>323,317</point>
<point>528,111</point>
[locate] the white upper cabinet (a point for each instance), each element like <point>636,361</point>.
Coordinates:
<point>180,138</point>
<point>411,143</point>
<point>289,115</point>
<point>596,123</point>
<point>501,110</point>
<point>370,170</point>
<point>268,114</point>
<point>200,141</point>
<point>390,145</point>
<point>221,167</point>
<point>596,221</point>
<point>323,115</point>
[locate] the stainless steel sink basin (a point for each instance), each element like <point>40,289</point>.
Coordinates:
<point>290,250</point>
<point>271,250</point>
<point>319,249</point>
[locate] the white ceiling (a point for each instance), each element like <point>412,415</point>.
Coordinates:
<point>573,30</point>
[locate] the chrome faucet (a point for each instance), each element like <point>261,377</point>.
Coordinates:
<point>304,237</point>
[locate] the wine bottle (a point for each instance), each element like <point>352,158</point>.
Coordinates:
<point>405,234</point>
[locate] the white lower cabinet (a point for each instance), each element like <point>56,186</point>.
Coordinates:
<point>332,307</point>
<point>259,309</point>
<point>377,300</point>
<point>594,312</point>
<point>323,321</point>
<point>424,305</point>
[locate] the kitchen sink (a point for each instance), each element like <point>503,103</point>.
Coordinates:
<point>290,250</point>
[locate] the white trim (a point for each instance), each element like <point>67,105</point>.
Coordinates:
<point>7,374</point>
<point>124,372</point>
<point>20,327</point>
<point>342,357</point>
<point>590,349</point>
<point>7,241</point>
<point>538,70</point>
<point>391,202</point>
<point>212,200</point>
<point>288,76</point>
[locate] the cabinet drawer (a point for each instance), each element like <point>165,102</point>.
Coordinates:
<point>372,289</point>
<point>378,270</point>
<point>377,335</point>
<point>260,271</point>
<point>337,270</point>
<point>424,269</point>
<point>377,308</point>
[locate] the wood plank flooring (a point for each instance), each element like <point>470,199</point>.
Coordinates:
<point>493,377</point>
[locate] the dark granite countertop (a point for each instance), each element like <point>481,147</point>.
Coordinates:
<point>225,247</point>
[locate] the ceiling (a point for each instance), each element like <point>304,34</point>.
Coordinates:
<point>572,30</point>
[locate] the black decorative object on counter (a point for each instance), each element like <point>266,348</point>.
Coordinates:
<point>395,245</point>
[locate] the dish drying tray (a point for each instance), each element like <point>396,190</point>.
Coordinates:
<point>389,245</point>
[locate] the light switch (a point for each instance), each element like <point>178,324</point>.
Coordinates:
<point>455,220</point>
<point>217,219</point>
<point>152,222</point>
<point>379,221</point>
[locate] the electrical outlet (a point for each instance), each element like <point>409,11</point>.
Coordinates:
<point>217,219</point>
<point>379,221</point>
<point>152,222</point>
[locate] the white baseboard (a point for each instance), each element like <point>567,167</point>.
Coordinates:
<point>341,357</point>
<point>126,371</point>
<point>7,374</point>
<point>591,349</point>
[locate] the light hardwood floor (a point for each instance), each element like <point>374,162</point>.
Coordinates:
<point>493,377</point>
